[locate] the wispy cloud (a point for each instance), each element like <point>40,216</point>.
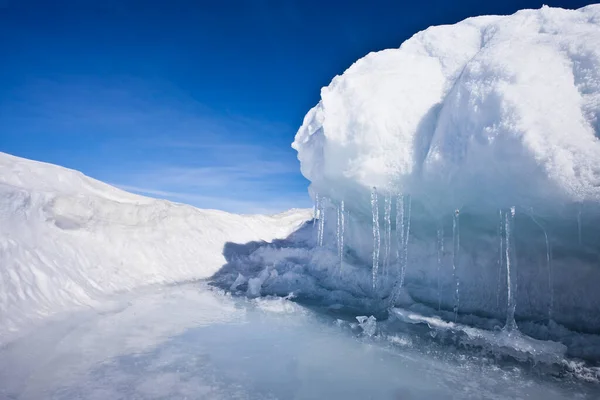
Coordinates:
<point>246,187</point>
<point>166,145</point>
<point>267,206</point>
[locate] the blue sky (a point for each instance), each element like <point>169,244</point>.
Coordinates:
<point>193,101</point>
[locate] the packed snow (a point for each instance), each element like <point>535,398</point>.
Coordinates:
<point>67,241</point>
<point>490,112</point>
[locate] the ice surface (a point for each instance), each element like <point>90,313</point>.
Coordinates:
<point>67,240</point>
<point>220,347</point>
<point>506,341</point>
<point>491,113</point>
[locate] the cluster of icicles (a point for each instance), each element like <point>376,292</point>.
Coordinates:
<point>382,263</point>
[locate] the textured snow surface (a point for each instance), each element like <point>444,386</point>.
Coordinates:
<point>493,111</point>
<point>67,240</point>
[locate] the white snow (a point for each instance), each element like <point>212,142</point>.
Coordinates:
<point>492,111</point>
<point>488,114</point>
<point>67,240</point>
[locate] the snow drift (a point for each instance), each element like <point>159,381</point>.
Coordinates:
<point>492,111</point>
<point>427,148</point>
<point>67,240</point>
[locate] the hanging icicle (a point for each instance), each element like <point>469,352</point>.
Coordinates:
<point>548,266</point>
<point>340,232</point>
<point>321,221</point>
<point>316,220</point>
<point>376,235</point>
<point>455,259</point>
<point>500,256</point>
<point>403,219</point>
<point>440,257</point>
<point>579,223</point>
<point>406,237</point>
<point>388,233</point>
<point>400,233</point>
<point>511,281</point>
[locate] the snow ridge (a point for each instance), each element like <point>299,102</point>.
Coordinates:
<point>67,240</point>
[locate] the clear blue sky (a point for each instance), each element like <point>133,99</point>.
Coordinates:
<point>194,101</point>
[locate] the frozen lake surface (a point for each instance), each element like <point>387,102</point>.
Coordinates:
<point>192,342</point>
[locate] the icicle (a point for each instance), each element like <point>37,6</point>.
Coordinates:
<point>548,267</point>
<point>400,232</point>
<point>388,233</point>
<point>321,222</point>
<point>402,236</point>
<point>340,231</point>
<point>500,257</point>
<point>337,229</point>
<point>550,273</point>
<point>341,234</point>
<point>579,223</point>
<point>440,256</point>
<point>511,282</point>
<point>550,278</point>
<point>455,259</point>
<point>406,236</point>
<point>316,220</point>
<point>376,235</point>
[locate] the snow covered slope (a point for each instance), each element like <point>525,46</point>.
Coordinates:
<point>67,240</point>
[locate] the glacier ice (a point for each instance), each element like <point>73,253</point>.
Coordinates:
<point>238,281</point>
<point>368,324</point>
<point>487,114</point>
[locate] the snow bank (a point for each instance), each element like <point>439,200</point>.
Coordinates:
<point>68,240</point>
<point>490,113</point>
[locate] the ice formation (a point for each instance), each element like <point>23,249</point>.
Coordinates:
<point>368,324</point>
<point>457,177</point>
<point>495,114</point>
